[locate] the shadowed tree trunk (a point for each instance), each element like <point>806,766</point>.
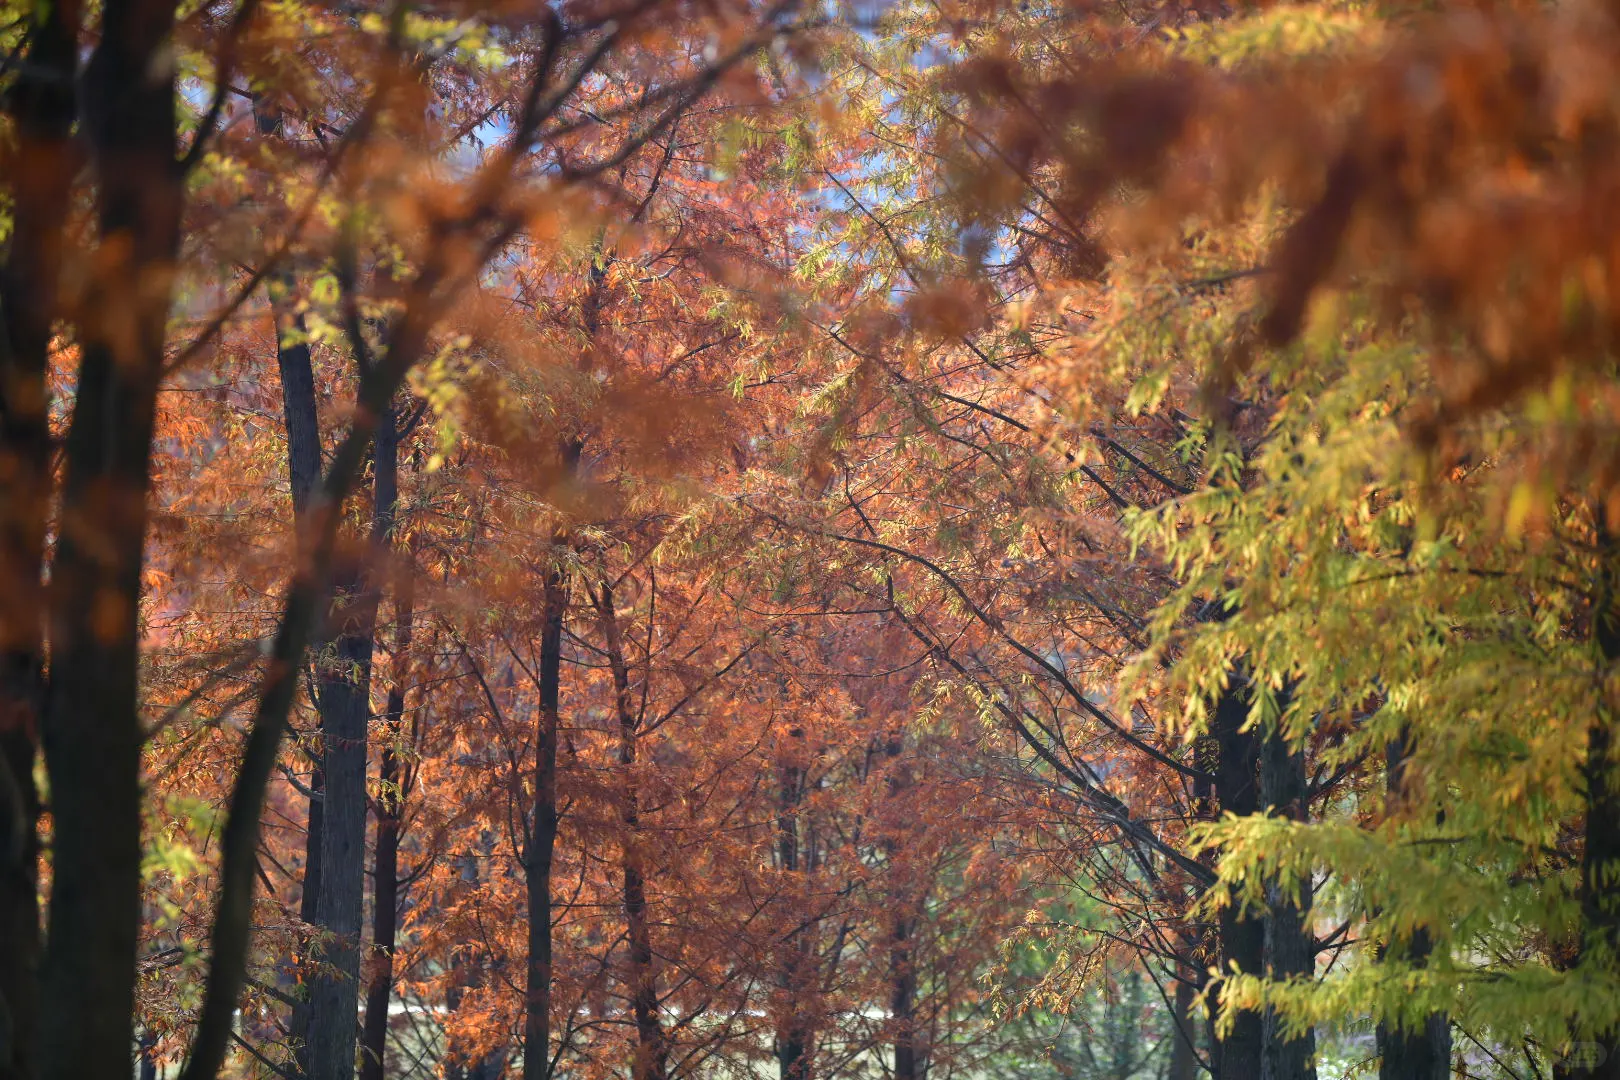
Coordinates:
<point>1290,947</point>
<point>793,1033</point>
<point>386,807</point>
<point>1425,1053</point>
<point>148,1059</point>
<point>1183,1052</point>
<point>903,1001</point>
<point>1600,857</point>
<point>303,471</point>
<point>92,733</point>
<point>301,420</point>
<point>1201,940</point>
<point>1239,1055</point>
<point>345,707</point>
<point>41,104</point>
<point>908,1060</point>
<point>540,848</point>
<point>1184,1060</point>
<point>345,701</point>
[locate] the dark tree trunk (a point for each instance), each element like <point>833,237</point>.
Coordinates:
<point>793,1053</point>
<point>1201,940</point>
<point>651,1048</point>
<point>1290,947</point>
<point>1423,1053</point>
<point>1240,1054</point>
<point>793,1034</point>
<point>1600,860</point>
<point>1184,1052</point>
<point>92,733</point>
<point>345,696</point>
<point>301,419</point>
<point>542,839</point>
<point>386,807</point>
<point>303,471</point>
<point>903,1001</point>
<point>148,1059</point>
<point>345,708</point>
<point>908,1060</point>
<point>41,104</point>
<point>384,915</point>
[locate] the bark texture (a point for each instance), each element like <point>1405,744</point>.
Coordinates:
<point>92,734</point>
<point>393,783</point>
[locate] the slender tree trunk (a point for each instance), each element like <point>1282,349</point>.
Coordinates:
<point>301,420</point>
<point>303,471</point>
<point>1202,940</point>
<point>345,707</point>
<point>92,733</point>
<point>1290,947</point>
<point>386,807</point>
<point>542,840</point>
<point>384,916</point>
<point>1242,934</point>
<point>793,1034</point>
<point>908,1061</point>
<point>1423,1053</point>
<point>1183,1052</point>
<point>41,104</point>
<point>651,1047</point>
<point>903,1001</point>
<point>1600,861</point>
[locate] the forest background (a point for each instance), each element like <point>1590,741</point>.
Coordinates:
<point>696,538</point>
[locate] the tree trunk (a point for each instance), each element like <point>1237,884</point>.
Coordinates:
<point>1200,939</point>
<point>542,840</point>
<point>1600,861</point>
<point>92,733</point>
<point>303,473</point>
<point>908,1063</point>
<point>148,1060</point>
<point>1184,1052</point>
<point>1239,1055</point>
<point>334,999</point>
<point>793,1049</point>
<point>301,420</point>
<point>793,1053</point>
<point>386,807</point>
<point>651,1049</point>
<point>345,707</point>
<point>1290,947</point>
<point>303,430</point>
<point>42,106</point>
<point>1424,1053</point>
<point>903,1001</point>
